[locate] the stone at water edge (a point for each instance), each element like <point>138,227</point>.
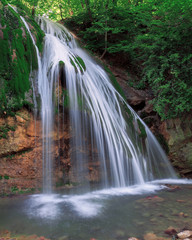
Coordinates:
<point>182,214</point>
<point>172,187</point>
<point>180,201</point>
<point>132,238</point>
<point>170,231</point>
<point>184,234</point>
<point>152,236</point>
<point>151,199</point>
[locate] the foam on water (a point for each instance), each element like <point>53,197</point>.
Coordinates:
<point>86,205</point>
<point>172,181</point>
<point>92,203</point>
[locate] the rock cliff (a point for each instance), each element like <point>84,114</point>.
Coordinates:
<point>175,135</point>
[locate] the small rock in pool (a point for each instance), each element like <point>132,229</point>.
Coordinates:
<point>152,236</point>
<point>180,201</point>
<point>172,188</point>
<point>170,231</point>
<point>181,214</point>
<point>185,234</point>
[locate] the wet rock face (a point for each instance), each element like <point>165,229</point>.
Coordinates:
<point>20,153</point>
<point>67,171</point>
<point>174,135</point>
<point>178,135</point>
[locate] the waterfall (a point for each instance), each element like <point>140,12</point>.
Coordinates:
<point>101,122</point>
<point>99,116</point>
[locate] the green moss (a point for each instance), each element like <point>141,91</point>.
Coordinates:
<point>5,129</point>
<point>66,98</point>
<point>21,153</point>
<point>128,111</point>
<point>79,62</point>
<point>61,64</point>
<point>15,190</point>
<point>6,177</point>
<point>114,82</point>
<point>1,177</point>
<point>142,133</point>
<point>73,64</point>
<point>162,142</point>
<point>36,30</point>
<point>10,156</point>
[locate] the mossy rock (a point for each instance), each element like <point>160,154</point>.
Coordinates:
<point>18,57</point>
<point>142,133</point>
<point>78,62</point>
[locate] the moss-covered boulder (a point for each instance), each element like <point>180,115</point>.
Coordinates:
<point>178,135</point>
<point>18,58</point>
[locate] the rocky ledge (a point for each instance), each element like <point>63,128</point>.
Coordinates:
<point>175,135</point>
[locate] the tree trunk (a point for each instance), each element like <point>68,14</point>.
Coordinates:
<point>89,9</point>
<point>107,4</point>
<point>82,4</point>
<point>106,39</point>
<point>33,11</point>
<point>61,11</point>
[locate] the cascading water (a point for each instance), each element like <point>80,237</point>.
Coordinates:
<point>127,150</point>
<point>99,117</point>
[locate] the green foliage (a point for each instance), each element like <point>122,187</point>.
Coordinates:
<point>5,177</point>
<point>165,52</point>
<point>5,129</point>
<point>14,189</point>
<point>152,39</point>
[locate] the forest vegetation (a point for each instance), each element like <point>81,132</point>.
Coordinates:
<point>151,39</point>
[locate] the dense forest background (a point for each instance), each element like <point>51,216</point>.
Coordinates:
<point>151,39</point>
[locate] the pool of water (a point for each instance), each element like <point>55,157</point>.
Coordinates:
<point>103,215</point>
